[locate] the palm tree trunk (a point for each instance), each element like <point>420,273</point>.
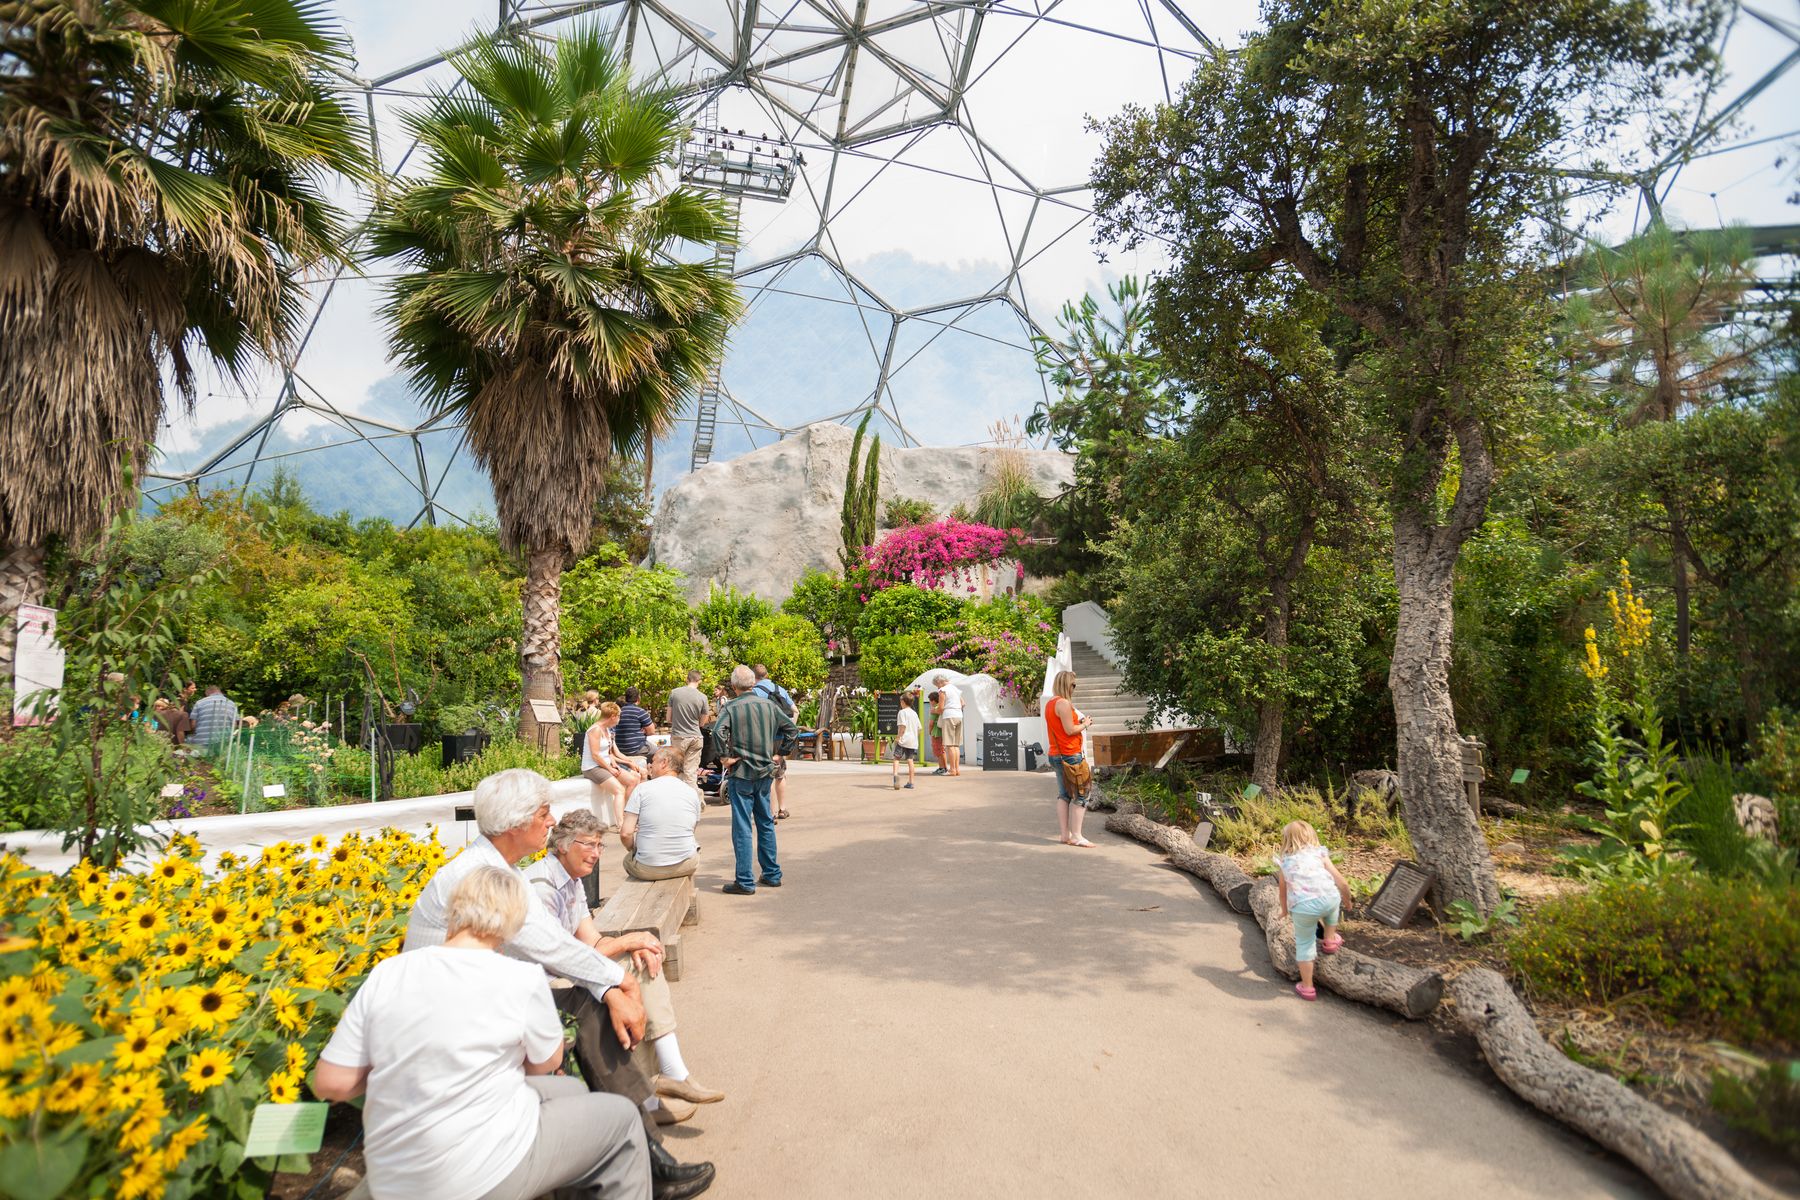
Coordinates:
<point>540,649</point>
<point>22,581</point>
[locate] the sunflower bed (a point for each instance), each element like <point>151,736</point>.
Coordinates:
<point>143,1017</point>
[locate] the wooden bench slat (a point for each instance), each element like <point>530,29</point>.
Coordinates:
<point>662,907</point>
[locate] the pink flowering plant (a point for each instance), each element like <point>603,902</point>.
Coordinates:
<point>1009,637</point>
<point>927,554</point>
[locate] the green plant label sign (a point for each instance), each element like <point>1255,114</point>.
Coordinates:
<point>1521,775</point>
<point>1252,791</point>
<point>286,1129</point>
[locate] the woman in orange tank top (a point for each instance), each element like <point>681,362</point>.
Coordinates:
<point>1064,725</point>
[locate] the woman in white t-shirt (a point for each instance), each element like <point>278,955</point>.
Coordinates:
<point>604,766</point>
<point>454,1045</point>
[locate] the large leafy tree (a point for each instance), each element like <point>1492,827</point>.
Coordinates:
<point>541,296</point>
<point>1395,157</point>
<point>1663,318</point>
<point>163,166</point>
<point>1260,500</point>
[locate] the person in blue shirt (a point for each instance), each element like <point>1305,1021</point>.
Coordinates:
<point>774,691</point>
<point>635,727</point>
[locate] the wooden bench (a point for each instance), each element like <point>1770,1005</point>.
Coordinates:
<point>661,908</point>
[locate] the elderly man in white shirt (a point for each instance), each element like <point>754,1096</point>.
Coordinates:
<point>557,879</point>
<point>660,819</point>
<point>512,810</point>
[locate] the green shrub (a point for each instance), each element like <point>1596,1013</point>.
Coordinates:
<point>605,601</point>
<point>1256,830</point>
<point>1710,830</point>
<point>893,660</point>
<point>653,664</point>
<point>831,603</point>
<point>1765,1103</point>
<point>899,511</point>
<point>727,615</point>
<point>1718,954</point>
<point>906,609</point>
<point>790,647</point>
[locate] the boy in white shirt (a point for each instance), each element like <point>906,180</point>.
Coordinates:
<point>906,737</point>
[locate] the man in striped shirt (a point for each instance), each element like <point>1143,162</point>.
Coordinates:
<point>751,731</point>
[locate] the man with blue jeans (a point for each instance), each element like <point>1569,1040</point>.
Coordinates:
<point>752,733</point>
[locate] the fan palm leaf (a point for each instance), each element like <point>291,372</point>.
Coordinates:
<point>162,165</point>
<point>538,296</point>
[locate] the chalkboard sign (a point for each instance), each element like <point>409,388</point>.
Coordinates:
<point>999,747</point>
<point>887,713</point>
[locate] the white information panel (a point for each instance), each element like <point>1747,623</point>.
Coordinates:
<point>37,662</point>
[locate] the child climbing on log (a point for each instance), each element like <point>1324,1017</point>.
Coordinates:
<point>1312,890</point>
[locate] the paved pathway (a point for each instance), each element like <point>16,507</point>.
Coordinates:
<point>944,1002</point>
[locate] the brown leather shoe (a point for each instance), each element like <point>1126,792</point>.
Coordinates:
<point>672,1111</point>
<point>686,1089</point>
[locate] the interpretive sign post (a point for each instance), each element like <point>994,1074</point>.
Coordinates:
<point>1400,894</point>
<point>37,663</point>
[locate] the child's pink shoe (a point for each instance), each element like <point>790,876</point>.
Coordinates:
<point>1306,993</point>
<point>1331,945</point>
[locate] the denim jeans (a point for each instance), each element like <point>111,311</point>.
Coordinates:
<point>750,803</point>
<point>1062,787</point>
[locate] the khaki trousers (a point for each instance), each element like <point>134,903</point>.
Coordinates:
<point>638,870</point>
<point>659,1005</point>
<point>687,752</point>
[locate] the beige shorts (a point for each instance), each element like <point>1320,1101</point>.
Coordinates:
<point>951,729</point>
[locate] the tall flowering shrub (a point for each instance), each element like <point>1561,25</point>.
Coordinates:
<point>144,1017</point>
<point>1636,781</point>
<point>929,553</point>
<point>1008,637</point>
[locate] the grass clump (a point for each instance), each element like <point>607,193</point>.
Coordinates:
<point>1716,954</point>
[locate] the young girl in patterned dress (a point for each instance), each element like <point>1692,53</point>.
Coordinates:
<point>1312,890</point>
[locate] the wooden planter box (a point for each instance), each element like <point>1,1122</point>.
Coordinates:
<point>1122,749</point>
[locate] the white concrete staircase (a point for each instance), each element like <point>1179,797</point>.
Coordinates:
<point>1097,692</point>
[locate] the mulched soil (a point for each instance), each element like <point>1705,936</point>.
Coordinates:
<point>337,1167</point>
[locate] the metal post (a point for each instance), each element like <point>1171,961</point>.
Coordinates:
<point>249,762</point>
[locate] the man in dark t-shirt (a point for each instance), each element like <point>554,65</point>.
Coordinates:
<point>635,726</point>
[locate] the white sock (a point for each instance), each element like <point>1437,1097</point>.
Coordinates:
<point>668,1058</point>
<point>652,1104</point>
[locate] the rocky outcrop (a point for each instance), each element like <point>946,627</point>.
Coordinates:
<point>758,521</point>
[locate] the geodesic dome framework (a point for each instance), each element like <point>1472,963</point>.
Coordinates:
<point>936,215</point>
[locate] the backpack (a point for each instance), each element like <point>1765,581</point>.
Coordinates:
<point>782,700</point>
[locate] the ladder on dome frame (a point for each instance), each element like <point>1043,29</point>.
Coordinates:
<point>712,159</point>
<point>706,415</point>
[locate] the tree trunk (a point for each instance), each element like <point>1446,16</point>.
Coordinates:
<point>1678,571</point>
<point>540,649</point>
<point>22,581</point>
<point>1410,991</point>
<point>1444,830</point>
<point>1265,767</point>
<point>1678,1158</point>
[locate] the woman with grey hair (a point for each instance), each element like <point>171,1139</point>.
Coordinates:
<point>557,878</point>
<point>454,1045</point>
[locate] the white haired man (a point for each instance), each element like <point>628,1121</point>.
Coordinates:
<point>512,810</point>
<point>574,855</point>
<point>752,733</point>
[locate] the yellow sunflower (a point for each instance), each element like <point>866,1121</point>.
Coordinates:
<point>208,1007</point>
<point>74,1091</point>
<point>287,1009</point>
<point>207,1069</point>
<point>222,946</point>
<point>141,1046</point>
<point>127,1092</point>
<point>146,920</point>
<point>118,894</point>
<point>144,1178</point>
<point>283,1089</point>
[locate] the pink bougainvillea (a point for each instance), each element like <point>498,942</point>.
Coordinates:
<point>928,554</point>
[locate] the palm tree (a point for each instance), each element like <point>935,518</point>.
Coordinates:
<point>541,298</point>
<point>162,165</point>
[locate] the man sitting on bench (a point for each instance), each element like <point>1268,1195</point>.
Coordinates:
<point>556,878</point>
<point>659,823</point>
<point>512,811</point>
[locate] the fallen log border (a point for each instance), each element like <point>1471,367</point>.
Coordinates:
<point>1678,1158</point>
<point>1409,991</point>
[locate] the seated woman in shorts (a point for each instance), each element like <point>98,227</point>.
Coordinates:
<point>603,765</point>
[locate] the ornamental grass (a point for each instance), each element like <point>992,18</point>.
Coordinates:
<point>143,1017</point>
